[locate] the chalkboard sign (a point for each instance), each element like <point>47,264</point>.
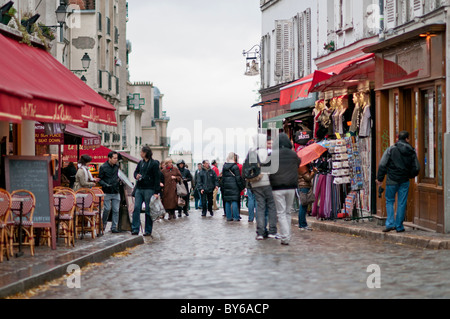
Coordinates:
<point>33,174</point>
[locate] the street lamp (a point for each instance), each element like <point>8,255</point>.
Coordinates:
<point>61,13</point>
<point>85,63</point>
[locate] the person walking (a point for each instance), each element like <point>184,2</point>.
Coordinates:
<point>172,176</point>
<point>232,184</point>
<point>266,213</point>
<point>284,183</point>
<point>215,168</point>
<point>305,177</point>
<point>110,182</point>
<point>400,164</point>
<point>197,195</point>
<point>186,177</point>
<point>147,175</point>
<point>208,182</point>
<point>83,177</point>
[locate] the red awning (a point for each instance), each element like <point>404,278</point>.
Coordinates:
<point>129,157</point>
<point>303,87</point>
<point>88,139</point>
<point>35,86</point>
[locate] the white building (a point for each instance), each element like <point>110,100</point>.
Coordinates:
<point>288,48</point>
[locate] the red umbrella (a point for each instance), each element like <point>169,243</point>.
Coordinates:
<point>311,153</point>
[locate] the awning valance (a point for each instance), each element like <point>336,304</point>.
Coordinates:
<point>303,87</point>
<point>278,121</point>
<point>35,86</point>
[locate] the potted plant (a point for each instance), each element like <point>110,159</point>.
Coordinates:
<point>46,31</point>
<point>330,46</point>
<point>5,18</point>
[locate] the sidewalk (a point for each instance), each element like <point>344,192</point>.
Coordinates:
<point>371,230</point>
<point>21,274</point>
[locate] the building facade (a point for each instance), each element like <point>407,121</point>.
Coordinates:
<point>411,89</point>
<point>288,48</point>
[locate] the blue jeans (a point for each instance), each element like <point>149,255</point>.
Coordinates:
<point>142,196</point>
<point>391,191</point>
<point>111,202</point>
<point>232,211</point>
<point>251,205</point>
<point>303,210</point>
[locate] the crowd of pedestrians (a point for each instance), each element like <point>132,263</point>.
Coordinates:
<point>271,191</point>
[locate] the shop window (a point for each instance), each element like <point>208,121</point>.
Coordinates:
<point>429,134</point>
<point>440,155</point>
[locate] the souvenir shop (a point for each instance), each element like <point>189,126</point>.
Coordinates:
<point>344,185</point>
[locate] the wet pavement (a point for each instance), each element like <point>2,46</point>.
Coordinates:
<point>210,258</point>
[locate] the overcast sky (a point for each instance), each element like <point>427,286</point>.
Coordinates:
<point>192,51</point>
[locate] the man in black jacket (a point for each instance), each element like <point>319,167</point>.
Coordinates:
<point>400,164</point>
<point>284,183</point>
<point>207,183</point>
<point>109,180</point>
<point>147,175</point>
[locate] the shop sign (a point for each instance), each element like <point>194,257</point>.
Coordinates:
<point>47,139</point>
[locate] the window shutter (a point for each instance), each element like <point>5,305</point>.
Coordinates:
<point>301,44</point>
<point>308,42</point>
<point>288,51</point>
<point>263,61</point>
<point>279,50</point>
<point>338,15</point>
<point>391,14</point>
<point>418,8</point>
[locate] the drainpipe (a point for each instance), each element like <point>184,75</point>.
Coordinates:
<point>447,133</point>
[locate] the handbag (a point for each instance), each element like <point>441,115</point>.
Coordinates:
<point>181,202</point>
<point>239,181</point>
<point>156,208</point>
<point>181,190</point>
<point>308,198</point>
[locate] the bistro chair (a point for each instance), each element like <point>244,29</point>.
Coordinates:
<point>86,215</point>
<point>98,204</point>
<point>29,203</point>
<point>65,215</point>
<point>5,211</point>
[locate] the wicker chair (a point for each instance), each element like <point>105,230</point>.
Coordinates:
<point>98,204</point>
<point>65,215</point>
<point>29,204</point>
<point>86,217</point>
<point>5,211</point>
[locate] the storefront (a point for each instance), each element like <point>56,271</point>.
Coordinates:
<point>410,95</point>
<point>342,121</point>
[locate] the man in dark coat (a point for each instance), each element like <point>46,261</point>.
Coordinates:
<point>207,183</point>
<point>400,164</point>
<point>284,183</point>
<point>186,177</point>
<point>231,185</point>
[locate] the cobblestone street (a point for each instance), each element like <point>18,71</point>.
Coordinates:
<point>203,258</point>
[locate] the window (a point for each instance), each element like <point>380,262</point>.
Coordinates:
<point>440,155</point>
<point>428,133</point>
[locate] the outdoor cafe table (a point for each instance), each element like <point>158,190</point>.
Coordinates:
<point>100,224</point>
<point>20,210</point>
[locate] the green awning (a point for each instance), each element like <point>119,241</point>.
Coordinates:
<point>278,121</point>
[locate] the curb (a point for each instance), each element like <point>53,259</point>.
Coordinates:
<point>51,272</point>
<point>393,238</point>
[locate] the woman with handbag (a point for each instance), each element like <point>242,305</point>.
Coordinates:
<point>232,186</point>
<point>306,194</point>
<point>172,177</point>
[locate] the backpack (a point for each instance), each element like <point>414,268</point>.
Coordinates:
<point>251,170</point>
